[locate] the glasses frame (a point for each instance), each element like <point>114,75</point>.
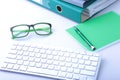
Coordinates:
<point>29,30</point>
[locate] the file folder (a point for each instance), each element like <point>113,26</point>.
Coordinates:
<point>65,9</point>
<point>96,7</point>
<point>80,3</point>
<point>101,31</point>
<point>73,12</point>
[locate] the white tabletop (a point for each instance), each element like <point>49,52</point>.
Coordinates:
<point>13,12</point>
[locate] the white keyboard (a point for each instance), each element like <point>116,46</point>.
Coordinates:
<point>56,63</point>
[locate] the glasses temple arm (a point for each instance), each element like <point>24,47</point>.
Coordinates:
<point>44,29</point>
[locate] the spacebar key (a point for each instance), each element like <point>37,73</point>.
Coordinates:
<point>42,71</point>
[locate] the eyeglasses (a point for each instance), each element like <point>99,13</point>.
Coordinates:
<point>23,30</point>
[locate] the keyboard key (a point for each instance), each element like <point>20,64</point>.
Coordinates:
<point>62,74</point>
<point>11,56</point>
<point>42,71</point>
<point>94,63</point>
<point>94,58</point>
<point>8,60</point>
<point>23,68</point>
<point>92,68</point>
<point>10,66</point>
<point>16,67</point>
<point>76,76</point>
<point>69,75</point>
<point>4,65</point>
<point>86,72</point>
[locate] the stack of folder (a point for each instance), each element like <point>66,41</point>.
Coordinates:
<point>76,10</point>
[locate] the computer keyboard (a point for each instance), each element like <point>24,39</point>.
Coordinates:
<point>51,62</point>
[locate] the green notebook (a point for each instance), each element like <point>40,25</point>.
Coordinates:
<point>100,31</point>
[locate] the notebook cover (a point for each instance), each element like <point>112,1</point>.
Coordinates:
<point>100,31</point>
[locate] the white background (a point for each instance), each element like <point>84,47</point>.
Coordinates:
<point>13,12</point>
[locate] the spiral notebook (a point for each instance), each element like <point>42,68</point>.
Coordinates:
<point>100,31</point>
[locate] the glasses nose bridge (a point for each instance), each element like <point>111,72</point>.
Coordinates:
<point>31,26</point>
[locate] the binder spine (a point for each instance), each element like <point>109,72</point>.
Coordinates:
<point>69,11</point>
<point>65,9</point>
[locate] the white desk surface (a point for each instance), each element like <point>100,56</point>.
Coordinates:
<point>13,12</point>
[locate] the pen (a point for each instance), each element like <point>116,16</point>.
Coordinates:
<point>84,38</point>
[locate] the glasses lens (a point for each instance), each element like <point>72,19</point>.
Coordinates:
<point>42,28</point>
<point>20,31</point>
